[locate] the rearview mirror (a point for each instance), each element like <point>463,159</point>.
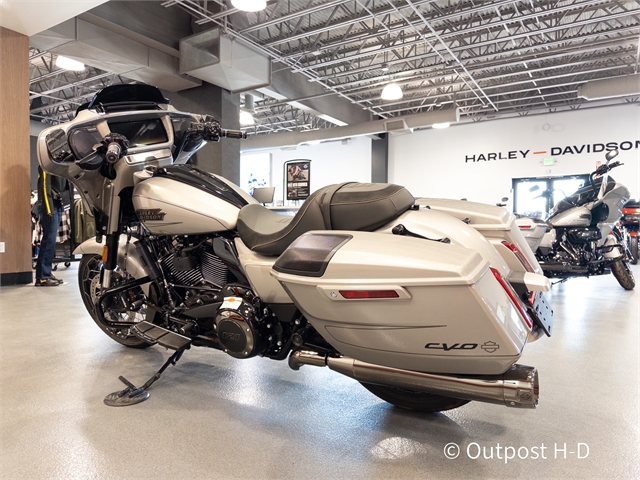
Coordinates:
<point>611,154</point>
<point>535,188</point>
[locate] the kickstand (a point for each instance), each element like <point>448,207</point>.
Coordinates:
<point>132,394</point>
<point>559,281</point>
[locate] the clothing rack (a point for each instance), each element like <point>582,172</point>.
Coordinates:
<point>75,227</point>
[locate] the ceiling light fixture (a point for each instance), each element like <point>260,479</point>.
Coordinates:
<point>391,91</point>
<point>247,111</point>
<point>249,5</point>
<point>441,125</point>
<point>246,118</point>
<point>68,64</point>
<point>385,67</point>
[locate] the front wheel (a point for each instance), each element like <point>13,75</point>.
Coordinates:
<point>622,272</point>
<point>633,248</point>
<point>89,283</point>
<point>412,400</point>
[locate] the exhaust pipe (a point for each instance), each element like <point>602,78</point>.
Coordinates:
<point>517,387</point>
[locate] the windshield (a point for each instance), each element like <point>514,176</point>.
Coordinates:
<point>141,133</point>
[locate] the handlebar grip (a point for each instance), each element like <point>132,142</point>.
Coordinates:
<point>113,152</point>
<point>234,134</point>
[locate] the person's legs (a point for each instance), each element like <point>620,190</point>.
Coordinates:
<point>50,224</point>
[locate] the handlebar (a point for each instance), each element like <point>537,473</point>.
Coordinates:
<point>234,134</point>
<point>113,152</point>
<point>212,132</point>
<point>602,169</point>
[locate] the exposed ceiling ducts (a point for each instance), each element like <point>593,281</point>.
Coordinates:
<point>107,50</point>
<point>610,87</point>
<point>397,124</point>
<point>224,61</point>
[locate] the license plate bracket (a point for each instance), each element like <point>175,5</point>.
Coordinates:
<point>542,313</point>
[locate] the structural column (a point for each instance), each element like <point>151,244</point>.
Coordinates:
<point>222,158</point>
<point>380,159</point>
<point>15,223</point>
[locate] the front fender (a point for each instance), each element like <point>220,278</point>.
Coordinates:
<point>129,258</point>
<point>614,252</point>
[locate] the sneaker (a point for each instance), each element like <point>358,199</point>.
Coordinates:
<point>60,282</point>
<point>47,282</point>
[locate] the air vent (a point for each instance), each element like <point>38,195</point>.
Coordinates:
<point>395,125</point>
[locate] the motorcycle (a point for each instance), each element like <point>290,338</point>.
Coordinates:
<point>415,304</point>
<point>578,237</point>
<point>630,223</point>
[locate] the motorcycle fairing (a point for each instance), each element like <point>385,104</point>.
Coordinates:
<point>450,314</point>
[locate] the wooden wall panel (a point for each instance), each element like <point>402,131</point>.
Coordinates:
<point>15,224</point>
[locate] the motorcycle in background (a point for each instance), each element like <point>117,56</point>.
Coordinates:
<point>413,303</point>
<point>577,239</point>
<point>630,223</point>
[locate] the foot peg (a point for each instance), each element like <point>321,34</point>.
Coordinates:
<point>152,334</point>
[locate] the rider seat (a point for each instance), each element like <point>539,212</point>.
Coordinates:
<point>345,206</point>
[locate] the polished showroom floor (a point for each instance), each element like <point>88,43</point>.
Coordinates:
<point>214,417</point>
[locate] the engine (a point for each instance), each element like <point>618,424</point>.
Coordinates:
<point>210,303</point>
<point>239,330</point>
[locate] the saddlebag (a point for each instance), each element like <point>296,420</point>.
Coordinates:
<point>496,224</point>
<point>403,302</point>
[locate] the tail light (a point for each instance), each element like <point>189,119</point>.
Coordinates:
<point>633,233</point>
<point>513,296</point>
<point>525,227</point>
<point>365,294</point>
<point>630,211</point>
<point>519,255</point>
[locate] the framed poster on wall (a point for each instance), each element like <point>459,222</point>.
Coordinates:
<point>297,179</point>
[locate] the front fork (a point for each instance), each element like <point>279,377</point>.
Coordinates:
<point>110,249</point>
<point>109,258</point>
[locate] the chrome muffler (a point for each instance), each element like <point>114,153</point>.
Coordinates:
<point>517,387</point>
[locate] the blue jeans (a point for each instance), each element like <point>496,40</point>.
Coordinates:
<point>50,224</point>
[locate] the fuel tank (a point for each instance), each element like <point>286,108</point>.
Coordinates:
<point>574,217</point>
<point>181,200</point>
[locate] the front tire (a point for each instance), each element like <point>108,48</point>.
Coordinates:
<point>89,284</point>
<point>633,248</point>
<point>412,400</point>
<point>622,272</point>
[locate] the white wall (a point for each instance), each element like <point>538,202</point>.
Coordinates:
<point>432,162</point>
<point>331,162</point>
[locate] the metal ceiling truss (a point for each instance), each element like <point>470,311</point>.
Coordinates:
<point>55,93</point>
<point>493,57</point>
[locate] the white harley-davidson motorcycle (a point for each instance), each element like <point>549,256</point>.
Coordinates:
<point>579,237</point>
<point>429,305</point>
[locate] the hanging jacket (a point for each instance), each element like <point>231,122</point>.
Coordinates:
<point>50,190</point>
